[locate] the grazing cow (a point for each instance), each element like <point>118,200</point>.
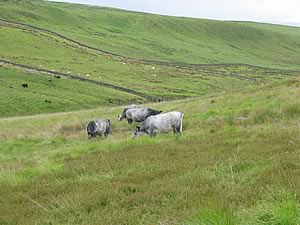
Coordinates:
<point>57,76</point>
<point>137,114</point>
<point>99,127</point>
<point>132,106</point>
<point>48,101</point>
<point>161,123</point>
<point>25,85</point>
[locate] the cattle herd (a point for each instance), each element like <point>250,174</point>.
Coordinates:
<point>153,122</point>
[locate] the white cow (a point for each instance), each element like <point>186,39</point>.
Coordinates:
<point>161,123</point>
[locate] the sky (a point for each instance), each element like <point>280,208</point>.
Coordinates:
<point>270,11</point>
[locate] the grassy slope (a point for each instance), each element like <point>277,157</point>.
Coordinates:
<point>64,94</point>
<point>237,151</point>
<point>45,51</point>
<point>157,37</point>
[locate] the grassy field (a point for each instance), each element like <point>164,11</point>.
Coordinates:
<point>155,37</point>
<point>45,51</point>
<point>236,163</point>
<point>28,46</point>
<point>63,94</point>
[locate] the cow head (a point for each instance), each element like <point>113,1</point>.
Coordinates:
<point>137,132</point>
<point>123,115</point>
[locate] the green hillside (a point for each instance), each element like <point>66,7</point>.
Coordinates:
<point>237,161</point>
<point>129,34</point>
<point>237,83</point>
<point>45,51</point>
<point>42,50</point>
<point>155,37</point>
<point>47,94</point>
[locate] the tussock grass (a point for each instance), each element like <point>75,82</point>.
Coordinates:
<point>222,170</point>
<point>292,110</point>
<point>214,216</point>
<point>278,208</point>
<point>286,111</point>
<point>69,129</point>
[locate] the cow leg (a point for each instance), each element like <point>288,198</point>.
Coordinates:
<point>90,135</point>
<point>174,130</point>
<point>178,130</point>
<point>152,133</point>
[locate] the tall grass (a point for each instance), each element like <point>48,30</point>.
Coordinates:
<point>221,171</point>
<point>214,216</point>
<point>278,208</point>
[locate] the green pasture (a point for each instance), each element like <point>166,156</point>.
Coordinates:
<point>47,94</point>
<point>47,52</point>
<point>155,37</point>
<point>237,161</point>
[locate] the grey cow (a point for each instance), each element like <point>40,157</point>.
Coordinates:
<point>161,123</point>
<point>99,127</point>
<point>137,114</point>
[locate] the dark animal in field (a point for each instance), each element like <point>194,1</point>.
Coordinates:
<point>48,101</point>
<point>137,114</point>
<point>50,80</point>
<point>57,76</point>
<point>161,123</point>
<point>25,85</point>
<point>101,127</point>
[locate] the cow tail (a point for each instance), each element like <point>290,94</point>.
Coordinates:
<point>181,121</point>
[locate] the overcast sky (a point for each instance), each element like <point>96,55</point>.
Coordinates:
<point>275,11</point>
